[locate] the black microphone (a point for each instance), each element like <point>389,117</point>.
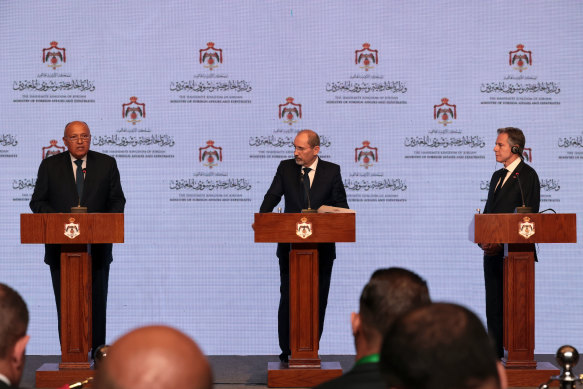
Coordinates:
<point>309,210</point>
<point>524,208</point>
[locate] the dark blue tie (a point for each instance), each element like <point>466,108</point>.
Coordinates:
<point>79,179</point>
<point>306,185</point>
<point>500,182</point>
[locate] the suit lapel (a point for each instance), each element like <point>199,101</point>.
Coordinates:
<point>88,176</point>
<point>509,184</point>
<point>320,172</point>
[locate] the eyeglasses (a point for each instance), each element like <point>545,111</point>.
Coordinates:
<point>83,137</point>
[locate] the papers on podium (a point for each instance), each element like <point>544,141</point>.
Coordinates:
<point>329,209</point>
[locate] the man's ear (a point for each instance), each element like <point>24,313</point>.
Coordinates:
<point>316,149</point>
<point>19,350</point>
<point>355,322</point>
<point>502,375</point>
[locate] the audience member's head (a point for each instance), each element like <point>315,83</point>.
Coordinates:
<point>440,346</point>
<point>154,357</point>
<point>13,338</point>
<point>388,294</point>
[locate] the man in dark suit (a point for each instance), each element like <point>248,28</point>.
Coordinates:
<point>13,338</point>
<point>305,181</point>
<point>504,196</point>
<point>389,294</point>
<point>86,178</point>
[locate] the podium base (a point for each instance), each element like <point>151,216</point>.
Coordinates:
<point>50,376</point>
<point>523,377</point>
<point>279,375</point>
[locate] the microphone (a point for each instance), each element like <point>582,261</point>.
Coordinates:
<point>309,210</point>
<point>79,208</point>
<point>524,208</point>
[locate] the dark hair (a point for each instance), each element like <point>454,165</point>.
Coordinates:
<point>13,319</point>
<point>390,293</point>
<point>438,346</point>
<point>515,137</point>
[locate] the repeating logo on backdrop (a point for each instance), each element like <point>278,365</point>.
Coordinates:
<point>210,155</point>
<point>210,57</point>
<point>133,111</point>
<point>290,112</point>
<point>520,59</point>
<point>54,56</point>
<point>52,149</point>
<point>527,154</point>
<point>445,112</point>
<point>366,58</point>
<point>366,156</point>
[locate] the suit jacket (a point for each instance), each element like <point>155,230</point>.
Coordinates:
<point>4,386</point>
<point>509,197</point>
<point>55,191</point>
<point>327,189</point>
<point>366,376</point>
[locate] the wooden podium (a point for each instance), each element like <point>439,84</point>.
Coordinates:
<point>519,232</point>
<point>303,231</point>
<point>73,232</point>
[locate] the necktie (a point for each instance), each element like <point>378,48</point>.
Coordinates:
<point>306,185</point>
<point>501,181</point>
<point>79,179</point>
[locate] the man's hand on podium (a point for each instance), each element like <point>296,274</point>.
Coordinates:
<point>492,249</point>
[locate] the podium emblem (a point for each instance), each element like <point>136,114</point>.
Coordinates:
<point>526,228</point>
<point>303,228</point>
<point>72,229</point>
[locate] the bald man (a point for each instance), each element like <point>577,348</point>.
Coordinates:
<point>154,357</point>
<point>99,190</point>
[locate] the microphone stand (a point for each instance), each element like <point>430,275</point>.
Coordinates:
<point>309,210</point>
<point>524,208</point>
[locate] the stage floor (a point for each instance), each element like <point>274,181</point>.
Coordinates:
<point>231,371</point>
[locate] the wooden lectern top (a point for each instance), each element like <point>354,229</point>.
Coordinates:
<point>71,228</point>
<point>507,228</point>
<point>320,227</point>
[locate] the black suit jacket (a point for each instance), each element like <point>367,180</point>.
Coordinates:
<point>55,191</point>
<point>327,189</point>
<point>4,386</point>
<point>366,376</point>
<point>509,197</point>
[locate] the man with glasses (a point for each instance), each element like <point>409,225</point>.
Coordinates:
<point>80,177</point>
<point>305,181</point>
